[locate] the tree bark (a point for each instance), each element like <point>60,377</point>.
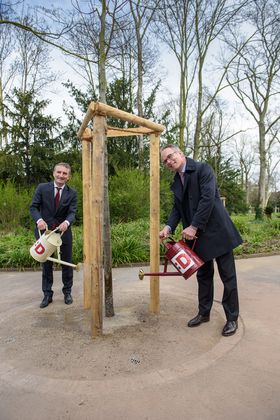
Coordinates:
<point>107,255</point>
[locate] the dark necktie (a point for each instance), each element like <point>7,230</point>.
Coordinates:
<point>57,197</point>
<point>182,176</point>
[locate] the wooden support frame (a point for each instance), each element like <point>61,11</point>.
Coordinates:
<point>154,222</point>
<point>86,171</point>
<point>93,185</point>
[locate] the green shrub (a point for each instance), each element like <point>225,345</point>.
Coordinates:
<point>14,207</point>
<point>129,192</point>
<point>268,211</point>
<point>131,243</point>
<point>76,183</point>
<point>14,249</point>
<point>242,223</point>
<point>258,213</point>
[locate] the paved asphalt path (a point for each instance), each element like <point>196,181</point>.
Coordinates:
<point>203,377</point>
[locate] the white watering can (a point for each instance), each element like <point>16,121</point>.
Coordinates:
<point>46,245</point>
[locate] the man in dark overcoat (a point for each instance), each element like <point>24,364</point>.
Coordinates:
<point>198,206</point>
<point>54,205</point>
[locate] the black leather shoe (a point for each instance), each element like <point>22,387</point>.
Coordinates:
<point>46,300</point>
<point>230,328</point>
<point>198,319</point>
<point>68,299</point>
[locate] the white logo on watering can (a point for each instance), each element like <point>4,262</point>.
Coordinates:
<point>182,261</point>
<point>38,248</point>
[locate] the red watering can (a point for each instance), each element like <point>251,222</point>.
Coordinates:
<point>181,256</point>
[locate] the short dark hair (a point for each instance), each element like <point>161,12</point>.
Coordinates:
<point>66,165</point>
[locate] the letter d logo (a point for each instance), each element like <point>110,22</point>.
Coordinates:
<point>39,249</point>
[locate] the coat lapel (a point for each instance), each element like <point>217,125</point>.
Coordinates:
<point>177,187</point>
<point>50,196</point>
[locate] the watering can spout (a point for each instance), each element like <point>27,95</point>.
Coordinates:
<point>59,261</point>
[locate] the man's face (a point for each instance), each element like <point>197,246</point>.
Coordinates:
<point>61,175</point>
<point>172,159</point>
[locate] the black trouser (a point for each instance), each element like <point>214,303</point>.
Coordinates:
<point>205,278</point>
<point>67,272</point>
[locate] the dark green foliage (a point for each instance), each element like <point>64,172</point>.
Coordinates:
<point>33,137</point>
<point>268,211</point>
<point>229,186</point>
<point>76,183</point>
<point>166,196</point>
<point>260,236</point>
<point>127,245</point>
<point>130,242</point>
<point>258,213</point>
<point>14,249</point>
<point>123,152</point>
<point>129,193</point>
<point>69,133</point>
<point>11,167</point>
<point>14,207</point>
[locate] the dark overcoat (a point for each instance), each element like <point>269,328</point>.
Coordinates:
<point>198,204</point>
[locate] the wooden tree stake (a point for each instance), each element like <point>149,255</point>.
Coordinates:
<point>96,228</point>
<point>154,222</point>
<point>86,170</point>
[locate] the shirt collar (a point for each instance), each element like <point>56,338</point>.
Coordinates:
<point>184,168</point>
<point>56,186</point>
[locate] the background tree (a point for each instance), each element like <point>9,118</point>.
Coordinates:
<point>8,70</point>
<point>254,78</point>
<point>245,155</point>
<point>142,15</point>
<point>97,27</point>
<point>190,28</point>
<point>175,29</point>
<point>33,136</point>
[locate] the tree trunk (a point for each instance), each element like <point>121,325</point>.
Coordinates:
<point>183,109</point>
<point>140,97</point>
<point>3,135</point>
<point>197,134</point>
<point>262,176</point>
<point>107,249</point>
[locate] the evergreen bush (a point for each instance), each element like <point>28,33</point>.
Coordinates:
<point>14,207</point>
<point>129,195</point>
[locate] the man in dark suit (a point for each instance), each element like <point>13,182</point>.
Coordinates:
<point>198,206</point>
<point>54,205</point>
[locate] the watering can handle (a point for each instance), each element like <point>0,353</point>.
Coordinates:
<point>40,231</point>
<point>50,232</point>
<point>194,242</point>
<point>170,238</point>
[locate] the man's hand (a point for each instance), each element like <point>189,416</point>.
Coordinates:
<point>42,225</point>
<point>189,233</point>
<point>63,227</point>
<point>164,233</point>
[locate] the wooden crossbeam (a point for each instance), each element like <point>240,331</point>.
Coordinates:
<point>126,132</point>
<point>98,108</point>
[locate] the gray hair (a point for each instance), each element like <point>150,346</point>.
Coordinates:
<point>66,165</point>
<point>171,146</point>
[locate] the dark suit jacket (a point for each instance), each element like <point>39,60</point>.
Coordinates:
<point>198,203</point>
<point>43,205</point>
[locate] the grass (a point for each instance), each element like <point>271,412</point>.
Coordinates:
<point>130,242</point>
